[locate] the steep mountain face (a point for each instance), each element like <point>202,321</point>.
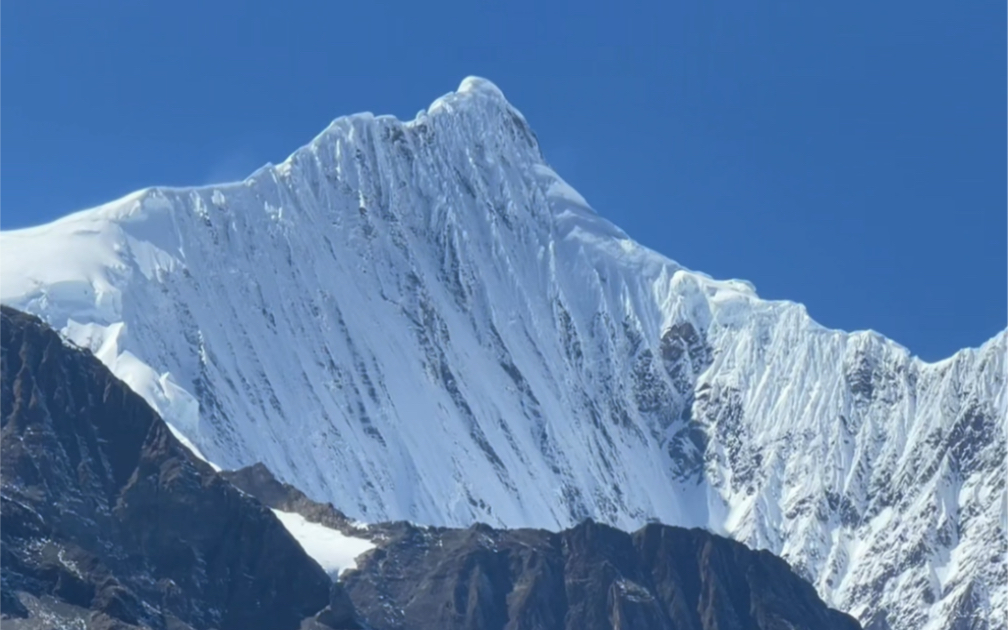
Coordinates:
<point>423,321</point>
<point>107,522</point>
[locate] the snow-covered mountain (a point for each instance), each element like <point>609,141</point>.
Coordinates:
<point>423,321</point>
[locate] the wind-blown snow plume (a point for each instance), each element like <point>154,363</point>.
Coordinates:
<point>423,321</point>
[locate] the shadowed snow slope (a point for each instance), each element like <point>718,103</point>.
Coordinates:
<point>423,321</point>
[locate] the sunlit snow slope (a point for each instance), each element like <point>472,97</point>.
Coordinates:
<point>333,550</point>
<point>422,321</point>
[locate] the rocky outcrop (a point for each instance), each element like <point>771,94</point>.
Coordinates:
<point>107,521</point>
<point>257,481</point>
<point>590,577</point>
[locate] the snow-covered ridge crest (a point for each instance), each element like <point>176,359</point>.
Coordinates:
<point>423,321</point>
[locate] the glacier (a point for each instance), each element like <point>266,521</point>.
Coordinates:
<point>421,320</point>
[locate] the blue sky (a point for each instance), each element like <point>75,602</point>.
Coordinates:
<point>850,157</point>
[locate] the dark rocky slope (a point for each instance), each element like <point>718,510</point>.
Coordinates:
<point>108,522</point>
<point>590,577</point>
<point>257,481</point>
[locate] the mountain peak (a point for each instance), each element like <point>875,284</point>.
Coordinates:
<point>422,321</point>
<point>476,94</point>
<point>473,85</point>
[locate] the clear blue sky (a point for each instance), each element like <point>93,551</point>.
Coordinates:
<point>850,156</point>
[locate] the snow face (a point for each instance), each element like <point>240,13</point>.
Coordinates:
<point>334,551</point>
<point>423,321</point>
